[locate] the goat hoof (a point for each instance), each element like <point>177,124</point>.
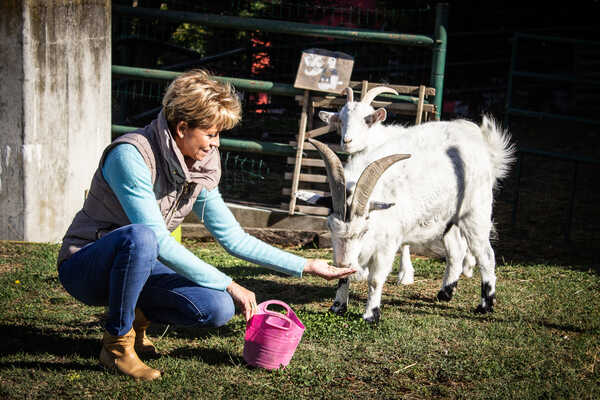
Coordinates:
<point>484,309</point>
<point>446,293</point>
<point>375,318</point>
<point>338,308</point>
<point>488,299</point>
<point>444,296</point>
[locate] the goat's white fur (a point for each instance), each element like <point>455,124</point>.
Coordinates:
<point>360,128</point>
<point>444,192</point>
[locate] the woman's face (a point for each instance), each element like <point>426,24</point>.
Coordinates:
<point>196,143</point>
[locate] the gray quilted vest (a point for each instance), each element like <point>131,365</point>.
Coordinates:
<point>175,187</point>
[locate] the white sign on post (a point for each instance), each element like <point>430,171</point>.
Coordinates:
<point>324,70</point>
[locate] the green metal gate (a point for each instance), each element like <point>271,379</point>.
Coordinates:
<point>146,85</point>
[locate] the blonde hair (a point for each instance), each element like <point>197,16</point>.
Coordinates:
<point>199,100</point>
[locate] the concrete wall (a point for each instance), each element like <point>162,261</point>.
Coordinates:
<point>54,111</point>
<point>11,121</point>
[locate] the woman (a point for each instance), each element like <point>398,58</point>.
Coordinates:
<point>118,251</point>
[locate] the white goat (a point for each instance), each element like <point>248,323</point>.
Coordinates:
<point>360,128</point>
<point>443,192</point>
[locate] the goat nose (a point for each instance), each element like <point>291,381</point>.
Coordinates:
<point>347,140</point>
<point>343,265</point>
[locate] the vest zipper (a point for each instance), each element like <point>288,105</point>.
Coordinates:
<point>203,206</point>
<point>177,203</point>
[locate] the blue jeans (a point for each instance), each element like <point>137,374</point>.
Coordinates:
<point>121,270</point>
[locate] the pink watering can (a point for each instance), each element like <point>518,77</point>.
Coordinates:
<point>272,337</point>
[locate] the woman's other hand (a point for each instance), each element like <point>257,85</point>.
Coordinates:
<point>324,270</point>
<point>244,298</point>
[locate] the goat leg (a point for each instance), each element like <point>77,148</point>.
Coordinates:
<point>373,310</point>
<point>406,273</point>
<point>456,248</point>
<point>340,305</point>
<point>488,299</point>
<point>487,263</point>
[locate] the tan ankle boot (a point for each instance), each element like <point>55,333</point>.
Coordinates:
<point>143,345</point>
<point>118,353</point>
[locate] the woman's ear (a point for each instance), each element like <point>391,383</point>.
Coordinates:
<point>180,129</point>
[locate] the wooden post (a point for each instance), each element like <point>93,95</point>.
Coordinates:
<point>364,89</point>
<point>299,150</point>
<point>420,104</point>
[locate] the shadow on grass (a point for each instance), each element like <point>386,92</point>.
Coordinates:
<point>426,306</point>
<point>235,327</point>
<point>239,271</point>
<point>207,355</point>
<point>50,366</point>
<point>292,293</point>
<point>31,340</point>
<point>422,301</point>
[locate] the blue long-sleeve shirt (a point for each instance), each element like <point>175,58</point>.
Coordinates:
<point>129,177</point>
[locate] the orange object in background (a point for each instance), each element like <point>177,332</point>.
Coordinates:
<point>260,61</point>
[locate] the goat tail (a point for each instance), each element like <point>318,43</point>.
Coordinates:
<point>502,151</point>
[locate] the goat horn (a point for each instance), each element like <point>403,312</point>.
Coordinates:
<point>349,94</point>
<point>367,181</point>
<point>376,91</point>
<point>335,176</point>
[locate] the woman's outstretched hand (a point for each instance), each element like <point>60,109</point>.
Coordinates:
<point>244,298</point>
<point>324,270</point>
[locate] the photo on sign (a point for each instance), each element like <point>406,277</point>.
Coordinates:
<point>324,70</point>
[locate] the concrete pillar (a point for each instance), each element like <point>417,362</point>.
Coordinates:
<point>55,120</point>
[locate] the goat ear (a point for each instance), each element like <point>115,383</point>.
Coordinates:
<point>328,117</point>
<point>381,114</point>
<point>379,205</point>
<point>378,116</point>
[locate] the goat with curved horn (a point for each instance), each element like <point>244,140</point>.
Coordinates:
<point>367,181</point>
<point>376,91</point>
<point>335,176</point>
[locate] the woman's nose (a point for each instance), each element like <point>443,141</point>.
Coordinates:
<point>215,142</point>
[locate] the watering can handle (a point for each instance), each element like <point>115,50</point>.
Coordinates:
<point>262,307</point>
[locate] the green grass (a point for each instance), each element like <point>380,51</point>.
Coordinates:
<point>543,341</point>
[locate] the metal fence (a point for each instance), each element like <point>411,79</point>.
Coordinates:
<point>225,39</point>
<point>257,52</point>
<point>547,204</point>
<point>552,107</point>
